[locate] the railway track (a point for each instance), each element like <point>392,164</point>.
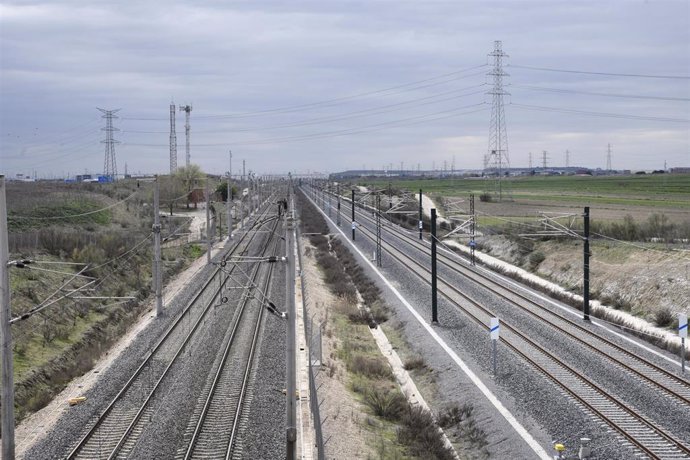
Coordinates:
<point>650,440</point>
<point>215,423</point>
<point>116,430</point>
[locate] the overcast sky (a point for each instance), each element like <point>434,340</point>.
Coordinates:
<point>330,85</point>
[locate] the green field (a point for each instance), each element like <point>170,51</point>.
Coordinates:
<point>665,190</point>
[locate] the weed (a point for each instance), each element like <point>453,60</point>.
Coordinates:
<point>663,317</point>
<point>414,362</point>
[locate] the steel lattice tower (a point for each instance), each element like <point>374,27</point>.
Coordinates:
<point>497,156</point>
<point>187,109</point>
<point>608,158</point>
<point>173,141</point>
<point>109,164</point>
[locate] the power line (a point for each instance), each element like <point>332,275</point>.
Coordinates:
<point>355,96</point>
<point>600,114</point>
<point>349,131</point>
<point>636,75</point>
<point>411,86</point>
<point>572,91</point>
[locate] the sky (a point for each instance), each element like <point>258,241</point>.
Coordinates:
<point>325,86</point>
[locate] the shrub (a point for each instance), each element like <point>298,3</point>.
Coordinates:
<point>419,431</point>
<point>414,362</point>
<point>535,259</point>
<point>386,403</point>
<point>373,368</point>
<point>663,317</point>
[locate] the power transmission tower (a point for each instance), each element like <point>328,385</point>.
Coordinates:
<point>543,159</point>
<point>109,165</point>
<point>530,160</point>
<point>608,158</point>
<point>173,140</point>
<point>567,158</point>
<point>497,158</point>
<point>187,109</point>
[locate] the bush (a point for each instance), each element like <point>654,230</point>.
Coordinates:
<point>386,403</point>
<point>414,362</point>
<point>373,368</point>
<point>419,431</point>
<point>663,317</point>
<point>535,259</point>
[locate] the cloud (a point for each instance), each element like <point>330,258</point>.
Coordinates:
<point>63,58</point>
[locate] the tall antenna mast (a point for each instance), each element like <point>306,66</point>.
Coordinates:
<point>109,164</point>
<point>173,140</point>
<point>187,109</point>
<point>497,157</point>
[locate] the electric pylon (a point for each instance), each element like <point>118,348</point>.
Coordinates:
<point>109,164</point>
<point>608,158</point>
<point>173,140</point>
<point>497,157</point>
<point>187,109</point>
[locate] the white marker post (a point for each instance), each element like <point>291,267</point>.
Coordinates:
<point>494,329</point>
<point>683,333</point>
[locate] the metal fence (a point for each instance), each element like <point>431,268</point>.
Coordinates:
<point>314,349</point>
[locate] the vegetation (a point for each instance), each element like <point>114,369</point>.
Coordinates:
<point>670,190</point>
<point>65,228</point>
<point>371,378</point>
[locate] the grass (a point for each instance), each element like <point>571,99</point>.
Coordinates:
<point>62,341</point>
<point>635,190</point>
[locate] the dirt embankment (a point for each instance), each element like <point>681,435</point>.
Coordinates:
<point>642,282</point>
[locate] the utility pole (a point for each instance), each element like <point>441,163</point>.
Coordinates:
<point>473,227</point>
<point>291,364</point>
<point>7,401</point>
<point>230,197</point>
<point>354,224</point>
<point>187,109</point>
<point>173,140</point>
<point>338,218</point>
<point>434,292</point>
<point>421,220</point>
<point>378,229</point>
<point>585,281</point>
<point>157,279</point>
<point>109,164</point>
<point>209,243</point>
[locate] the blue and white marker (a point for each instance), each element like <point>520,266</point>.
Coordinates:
<point>494,329</point>
<point>683,333</point>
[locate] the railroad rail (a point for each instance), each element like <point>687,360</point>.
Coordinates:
<point>215,422</point>
<point>115,431</point>
<point>648,438</point>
